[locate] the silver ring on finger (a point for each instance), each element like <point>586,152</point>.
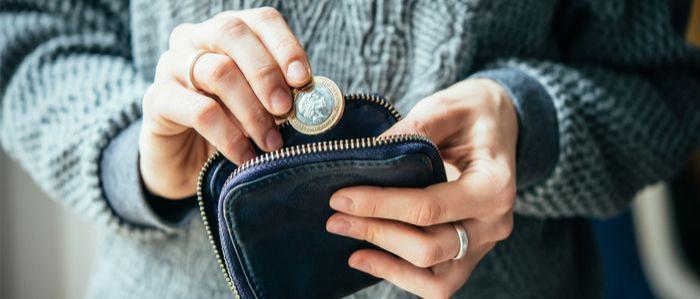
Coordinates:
<point>189,77</point>
<point>463,240</point>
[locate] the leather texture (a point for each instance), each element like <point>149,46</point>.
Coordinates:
<point>270,218</point>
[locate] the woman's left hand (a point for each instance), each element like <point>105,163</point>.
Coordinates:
<point>474,124</point>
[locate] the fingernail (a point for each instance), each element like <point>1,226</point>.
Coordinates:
<point>360,265</point>
<point>281,101</point>
<point>297,72</point>
<point>273,139</point>
<point>341,203</point>
<point>338,226</point>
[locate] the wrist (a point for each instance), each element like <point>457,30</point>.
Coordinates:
<point>537,149</point>
<point>124,190</point>
<point>495,92</point>
<point>162,173</point>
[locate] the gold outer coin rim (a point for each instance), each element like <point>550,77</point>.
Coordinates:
<point>332,120</point>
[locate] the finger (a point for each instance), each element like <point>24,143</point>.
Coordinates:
<point>440,282</point>
<point>232,36</point>
<point>393,269</point>
<point>410,205</point>
<point>421,247</point>
<point>275,34</point>
<point>179,108</point>
<point>487,230</point>
<point>278,38</point>
<point>423,119</point>
<point>476,194</point>
<point>422,207</point>
<point>217,74</point>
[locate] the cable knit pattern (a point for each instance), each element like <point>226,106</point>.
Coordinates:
<point>623,84</point>
<point>68,88</point>
<point>608,148</point>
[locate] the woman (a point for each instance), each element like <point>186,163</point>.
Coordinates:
<point>569,101</point>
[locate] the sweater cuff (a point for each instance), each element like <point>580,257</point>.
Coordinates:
<point>125,192</point>
<point>538,134</point>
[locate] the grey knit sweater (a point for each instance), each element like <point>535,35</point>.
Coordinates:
<point>606,94</point>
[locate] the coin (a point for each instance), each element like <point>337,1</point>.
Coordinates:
<point>317,106</point>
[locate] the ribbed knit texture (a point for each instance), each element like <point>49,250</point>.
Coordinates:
<point>625,89</point>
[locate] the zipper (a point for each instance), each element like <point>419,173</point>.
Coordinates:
<point>302,149</point>
<point>207,226</point>
<point>377,100</point>
<point>327,146</point>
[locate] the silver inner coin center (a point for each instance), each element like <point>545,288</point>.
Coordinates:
<point>314,107</point>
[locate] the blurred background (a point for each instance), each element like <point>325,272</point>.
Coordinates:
<point>45,251</point>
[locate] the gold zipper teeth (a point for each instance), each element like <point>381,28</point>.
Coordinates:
<point>207,227</point>
<point>326,146</point>
<point>377,100</point>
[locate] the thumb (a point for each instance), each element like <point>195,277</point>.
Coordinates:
<point>416,122</point>
<point>423,120</point>
<point>405,126</point>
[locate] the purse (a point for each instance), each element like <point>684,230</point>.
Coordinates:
<point>266,218</point>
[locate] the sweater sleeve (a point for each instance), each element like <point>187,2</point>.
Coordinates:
<point>625,97</point>
<point>68,88</point>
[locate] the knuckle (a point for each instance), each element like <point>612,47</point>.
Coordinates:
<point>441,104</point>
<point>367,233</point>
<point>509,190</point>
<point>418,126</point>
<point>235,145</point>
<point>260,117</point>
<point>225,14</point>
<point>218,70</point>
<point>290,47</point>
<point>373,208</point>
<point>206,113</point>
<point>268,13</point>
<point>178,33</point>
<point>506,200</point>
<point>427,213</point>
<point>165,57</point>
<point>237,138</point>
<point>148,99</point>
<point>229,147</point>
<point>164,61</point>
<point>428,255</point>
<point>502,206</point>
<point>505,229</point>
<point>232,27</point>
<point>440,100</point>
<point>266,72</point>
<point>503,186</point>
<point>504,232</point>
<point>258,120</point>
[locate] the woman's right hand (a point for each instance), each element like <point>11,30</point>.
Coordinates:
<point>243,80</point>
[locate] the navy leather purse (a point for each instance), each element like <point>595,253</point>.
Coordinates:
<point>266,218</point>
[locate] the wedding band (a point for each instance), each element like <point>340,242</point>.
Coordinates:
<point>190,68</point>
<point>463,241</point>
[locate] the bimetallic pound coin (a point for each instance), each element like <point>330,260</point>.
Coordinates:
<point>317,106</point>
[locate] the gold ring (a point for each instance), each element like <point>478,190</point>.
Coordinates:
<point>190,68</point>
